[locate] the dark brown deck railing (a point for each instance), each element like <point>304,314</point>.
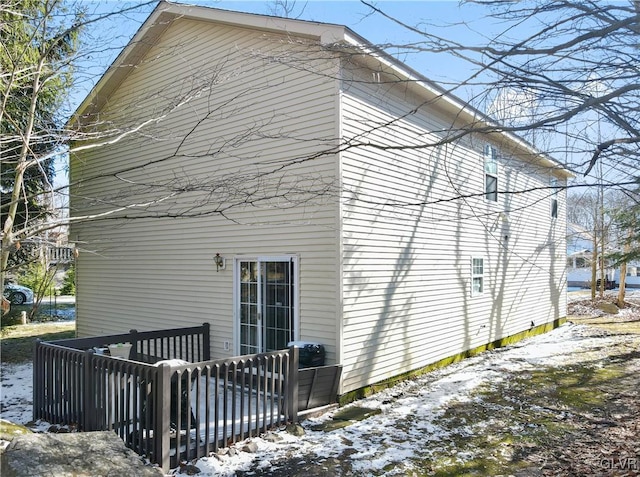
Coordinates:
<point>168,411</point>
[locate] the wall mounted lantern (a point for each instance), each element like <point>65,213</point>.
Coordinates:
<point>220,262</point>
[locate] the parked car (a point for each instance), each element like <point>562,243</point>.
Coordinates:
<point>17,294</point>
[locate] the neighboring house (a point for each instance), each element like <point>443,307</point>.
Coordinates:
<point>579,257</point>
<point>579,272</point>
<point>283,191</point>
<point>579,245</point>
<point>578,239</point>
<point>632,279</point>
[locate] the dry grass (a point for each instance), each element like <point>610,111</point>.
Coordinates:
<point>18,341</point>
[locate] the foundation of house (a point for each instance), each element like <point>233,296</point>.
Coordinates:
<point>374,388</point>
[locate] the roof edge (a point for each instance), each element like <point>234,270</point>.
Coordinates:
<point>160,19</point>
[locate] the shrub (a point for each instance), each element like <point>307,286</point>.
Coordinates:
<point>69,282</point>
<point>39,279</point>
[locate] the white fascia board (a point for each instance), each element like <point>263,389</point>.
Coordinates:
<point>256,21</point>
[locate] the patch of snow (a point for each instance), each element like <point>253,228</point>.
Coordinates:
<point>16,393</point>
<point>16,397</point>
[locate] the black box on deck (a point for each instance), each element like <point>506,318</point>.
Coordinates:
<point>310,354</point>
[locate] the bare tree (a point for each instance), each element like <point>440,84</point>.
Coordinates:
<point>573,62</point>
<point>594,210</point>
<point>47,48</point>
<point>40,52</point>
<point>626,229</point>
<point>287,8</point>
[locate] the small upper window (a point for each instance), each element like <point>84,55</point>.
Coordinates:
<point>477,276</point>
<point>490,174</point>
<point>553,183</point>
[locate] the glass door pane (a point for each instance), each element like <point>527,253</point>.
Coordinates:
<point>277,305</point>
<point>250,333</point>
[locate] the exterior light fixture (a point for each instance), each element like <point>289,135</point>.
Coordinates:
<point>220,262</point>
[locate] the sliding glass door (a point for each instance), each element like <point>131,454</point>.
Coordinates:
<point>266,303</point>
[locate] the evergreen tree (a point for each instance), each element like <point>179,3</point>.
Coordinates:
<point>39,42</point>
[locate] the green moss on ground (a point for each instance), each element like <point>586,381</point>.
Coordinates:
<point>9,430</point>
<point>505,423</point>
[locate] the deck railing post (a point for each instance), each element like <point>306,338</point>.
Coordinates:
<point>206,343</point>
<point>89,417</point>
<point>38,380</point>
<point>134,344</point>
<point>292,385</point>
<point>162,418</point>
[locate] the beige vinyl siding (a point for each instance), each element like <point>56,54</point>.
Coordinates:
<point>251,116</point>
<point>246,110</point>
<point>408,240</point>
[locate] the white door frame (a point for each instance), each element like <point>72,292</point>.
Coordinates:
<point>294,259</point>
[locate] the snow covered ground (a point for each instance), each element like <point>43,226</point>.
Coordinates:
<point>408,415</point>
